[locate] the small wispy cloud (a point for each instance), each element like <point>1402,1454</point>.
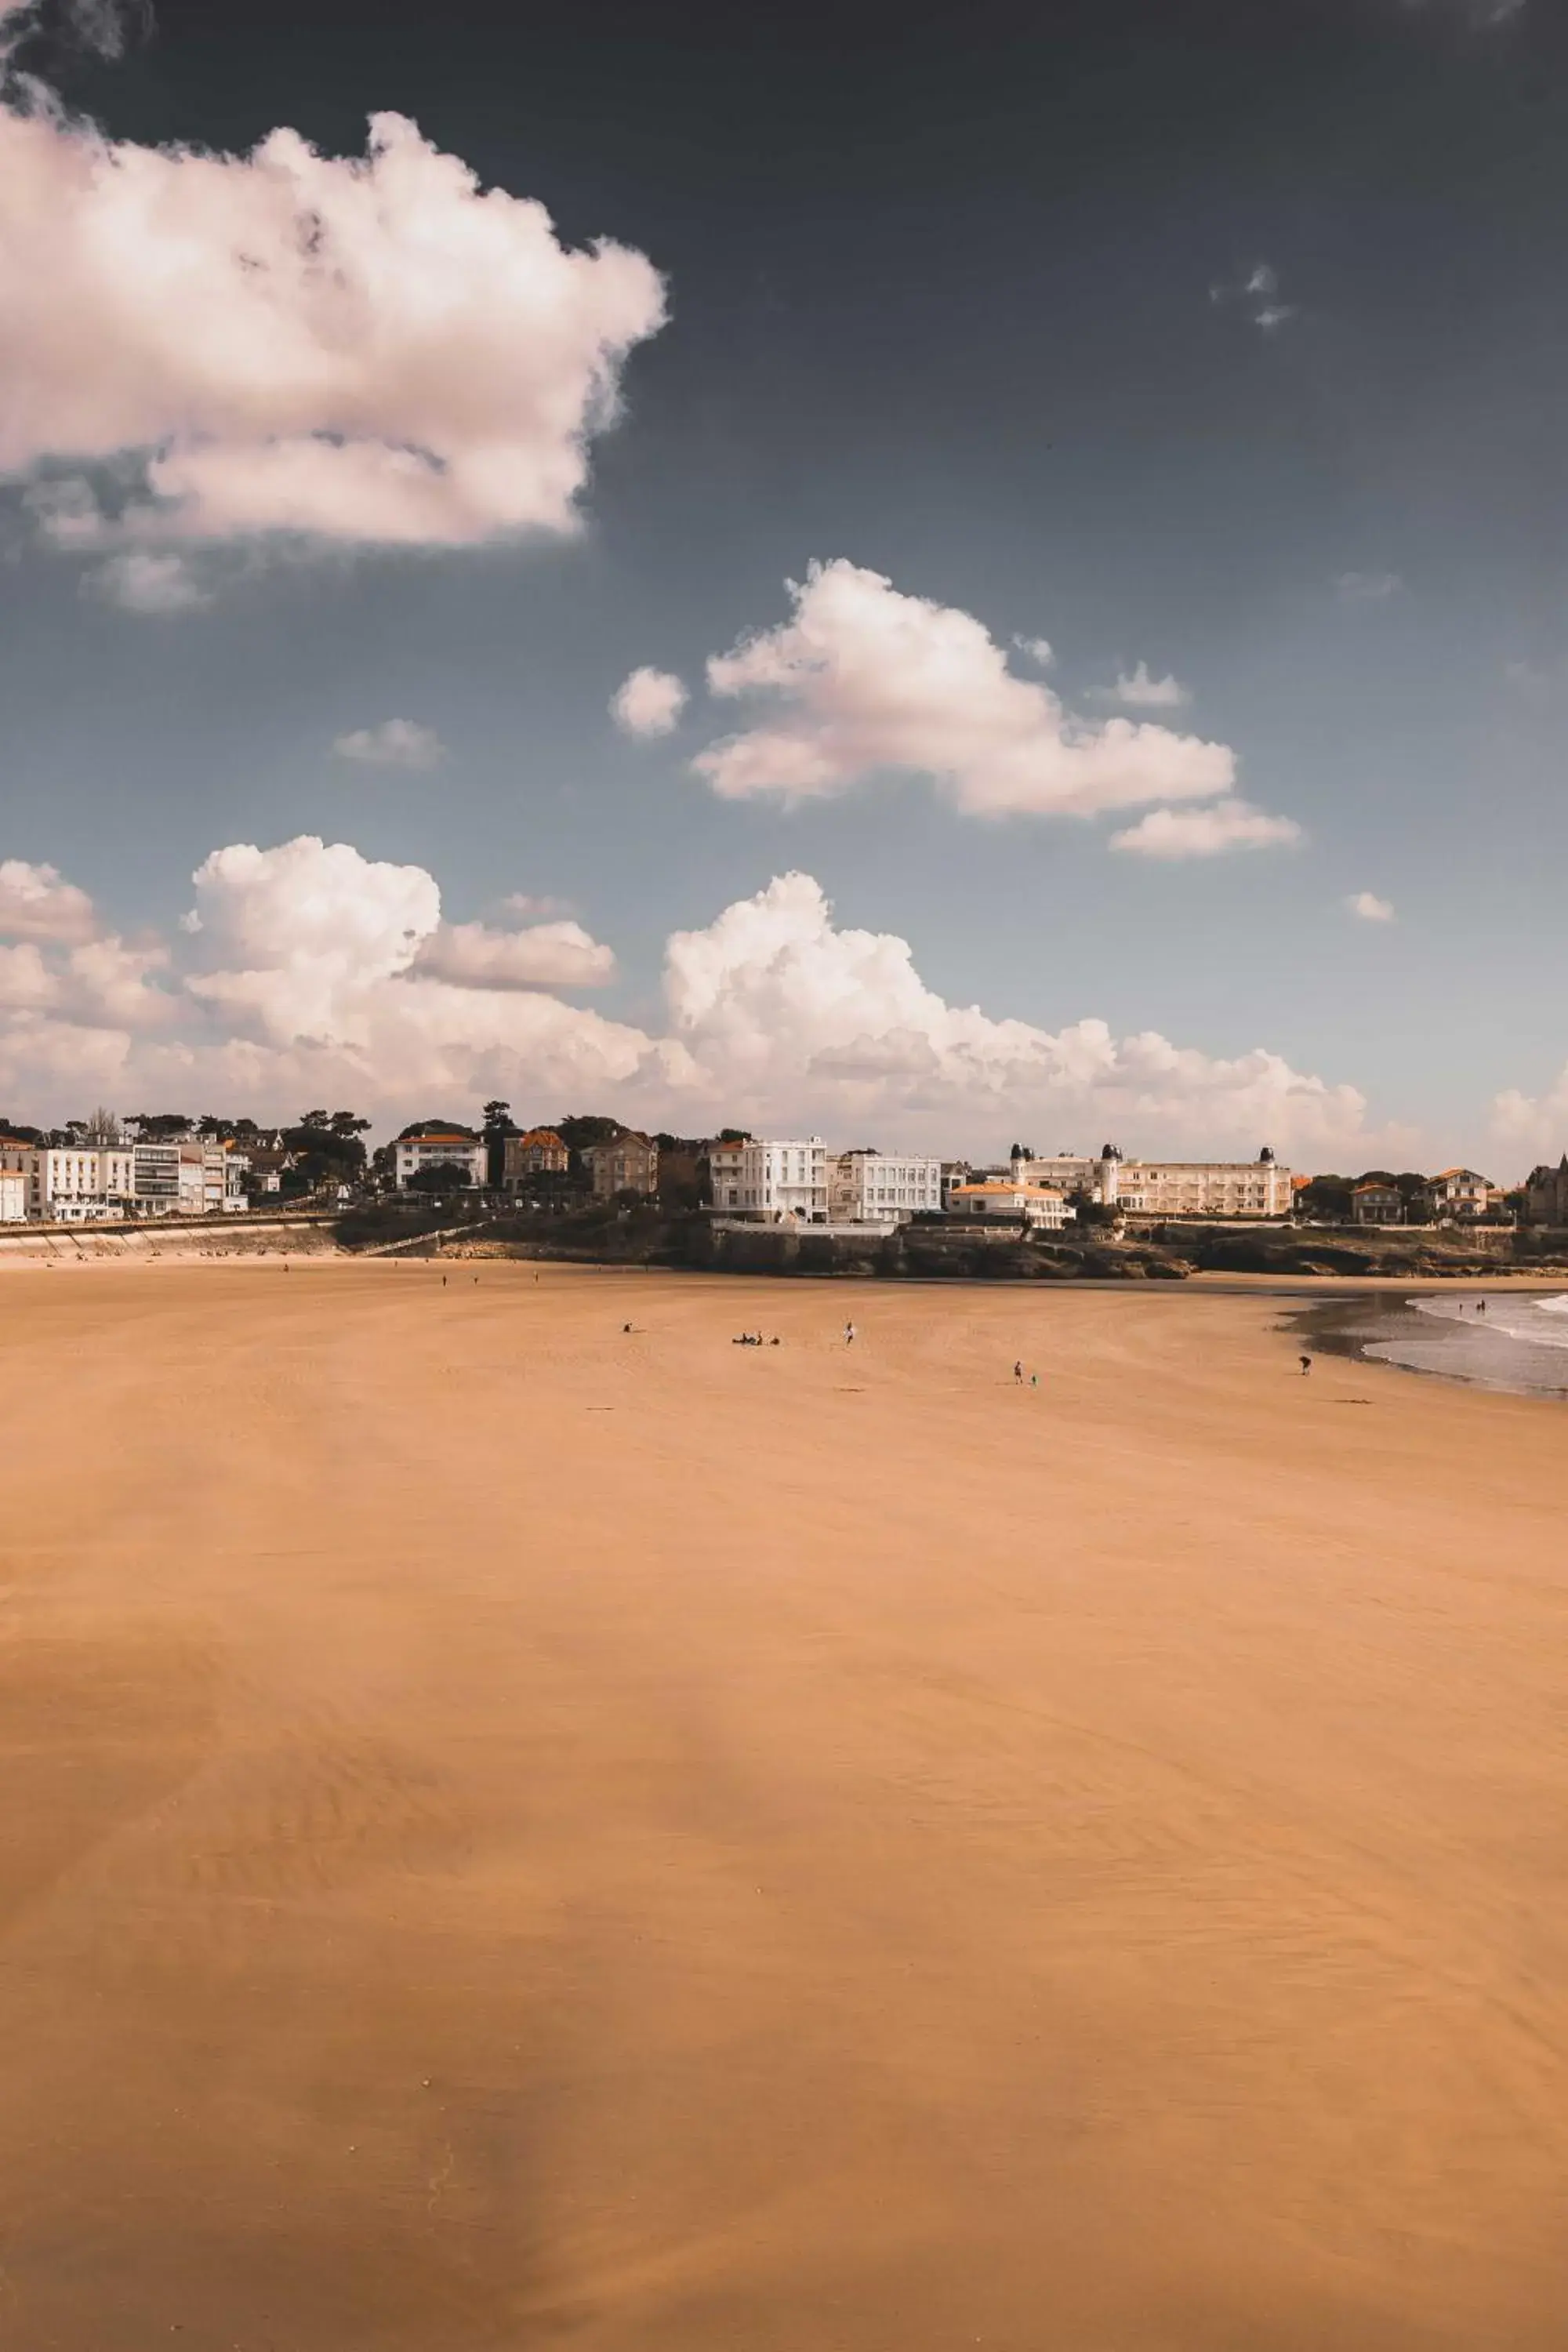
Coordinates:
<point>1368,907</point>
<point>1257,291</point>
<point>1367,587</point>
<point>148,584</point>
<point>544,909</point>
<point>649,703</point>
<point>102,26</point>
<point>1038,650</point>
<point>1210,832</point>
<point>1484,14</point>
<point>396,743</point>
<point>1142,692</point>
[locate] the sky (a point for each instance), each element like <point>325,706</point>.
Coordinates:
<point>942,576</point>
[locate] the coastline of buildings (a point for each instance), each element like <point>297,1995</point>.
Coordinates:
<point>98,1183</point>
<point>99,1173</point>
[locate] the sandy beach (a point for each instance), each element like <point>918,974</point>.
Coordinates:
<point>518,1834</point>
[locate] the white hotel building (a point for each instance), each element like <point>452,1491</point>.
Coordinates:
<point>1170,1188</point>
<point>770,1181</point>
<point>874,1188</point>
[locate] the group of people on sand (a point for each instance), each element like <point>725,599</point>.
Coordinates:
<point>753,1340</point>
<point>1019,1381</point>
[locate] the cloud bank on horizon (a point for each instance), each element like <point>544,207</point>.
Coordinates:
<point>309,969</point>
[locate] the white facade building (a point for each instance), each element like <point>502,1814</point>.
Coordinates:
<point>1461,1193</point>
<point>73,1183</point>
<point>1205,1188</point>
<point>769,1180</point>
<point>1042,1207</point>
<point>13,1196</point>
<point>1171,1188</point>
<point>874,1188</point>
<point>438,1147</point>
<point>85,1183</point>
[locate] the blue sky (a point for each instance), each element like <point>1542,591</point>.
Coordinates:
<point>1173,337</point>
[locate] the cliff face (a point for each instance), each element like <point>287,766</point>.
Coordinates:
<point>1165,1252</point>
<point>933,1252</point>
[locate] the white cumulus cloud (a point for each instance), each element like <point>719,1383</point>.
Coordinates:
<point>372,348</point>
<point>547,955</point>
<point>319,973</point>
<point>1143,691</point>
<point>864,678</point>
<point>27,985</point>
<point>36,903</point>
<point>1533,1127</point>
<point>396,743</point>
<point>1370,908</point>
<point>777,1007</point>
<point>314,974</point>
<point>649,703</point>
<point>1208,832</point>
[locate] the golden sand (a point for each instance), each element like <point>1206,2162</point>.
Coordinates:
<point>518,1836</point>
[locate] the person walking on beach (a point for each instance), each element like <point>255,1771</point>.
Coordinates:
<point>1306,1363</point>
<point>1018,1374</point>
<point>849,1335</point>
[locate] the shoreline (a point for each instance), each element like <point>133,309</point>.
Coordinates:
<point>1387,1331</point>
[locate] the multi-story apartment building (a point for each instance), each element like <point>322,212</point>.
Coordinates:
<point>1170,1188</point>
<point>771,1180</point>
<point>436,1144</point>
<point>874,1188</point>
<point>80,1183</point>
<point>70,1183</point>
<point>628,1163</point>
<point>13,1196</point>
<point>539,1152</point>
<point>1205,1187</point>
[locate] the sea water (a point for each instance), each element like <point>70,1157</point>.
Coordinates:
<point>1516,1340</point>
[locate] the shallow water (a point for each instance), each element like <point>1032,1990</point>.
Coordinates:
<point>1515,1341</point>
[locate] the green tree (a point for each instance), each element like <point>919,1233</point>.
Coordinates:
<point>499,1124</point>
<point>1327,1199</point>
<point>440,1180</point>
